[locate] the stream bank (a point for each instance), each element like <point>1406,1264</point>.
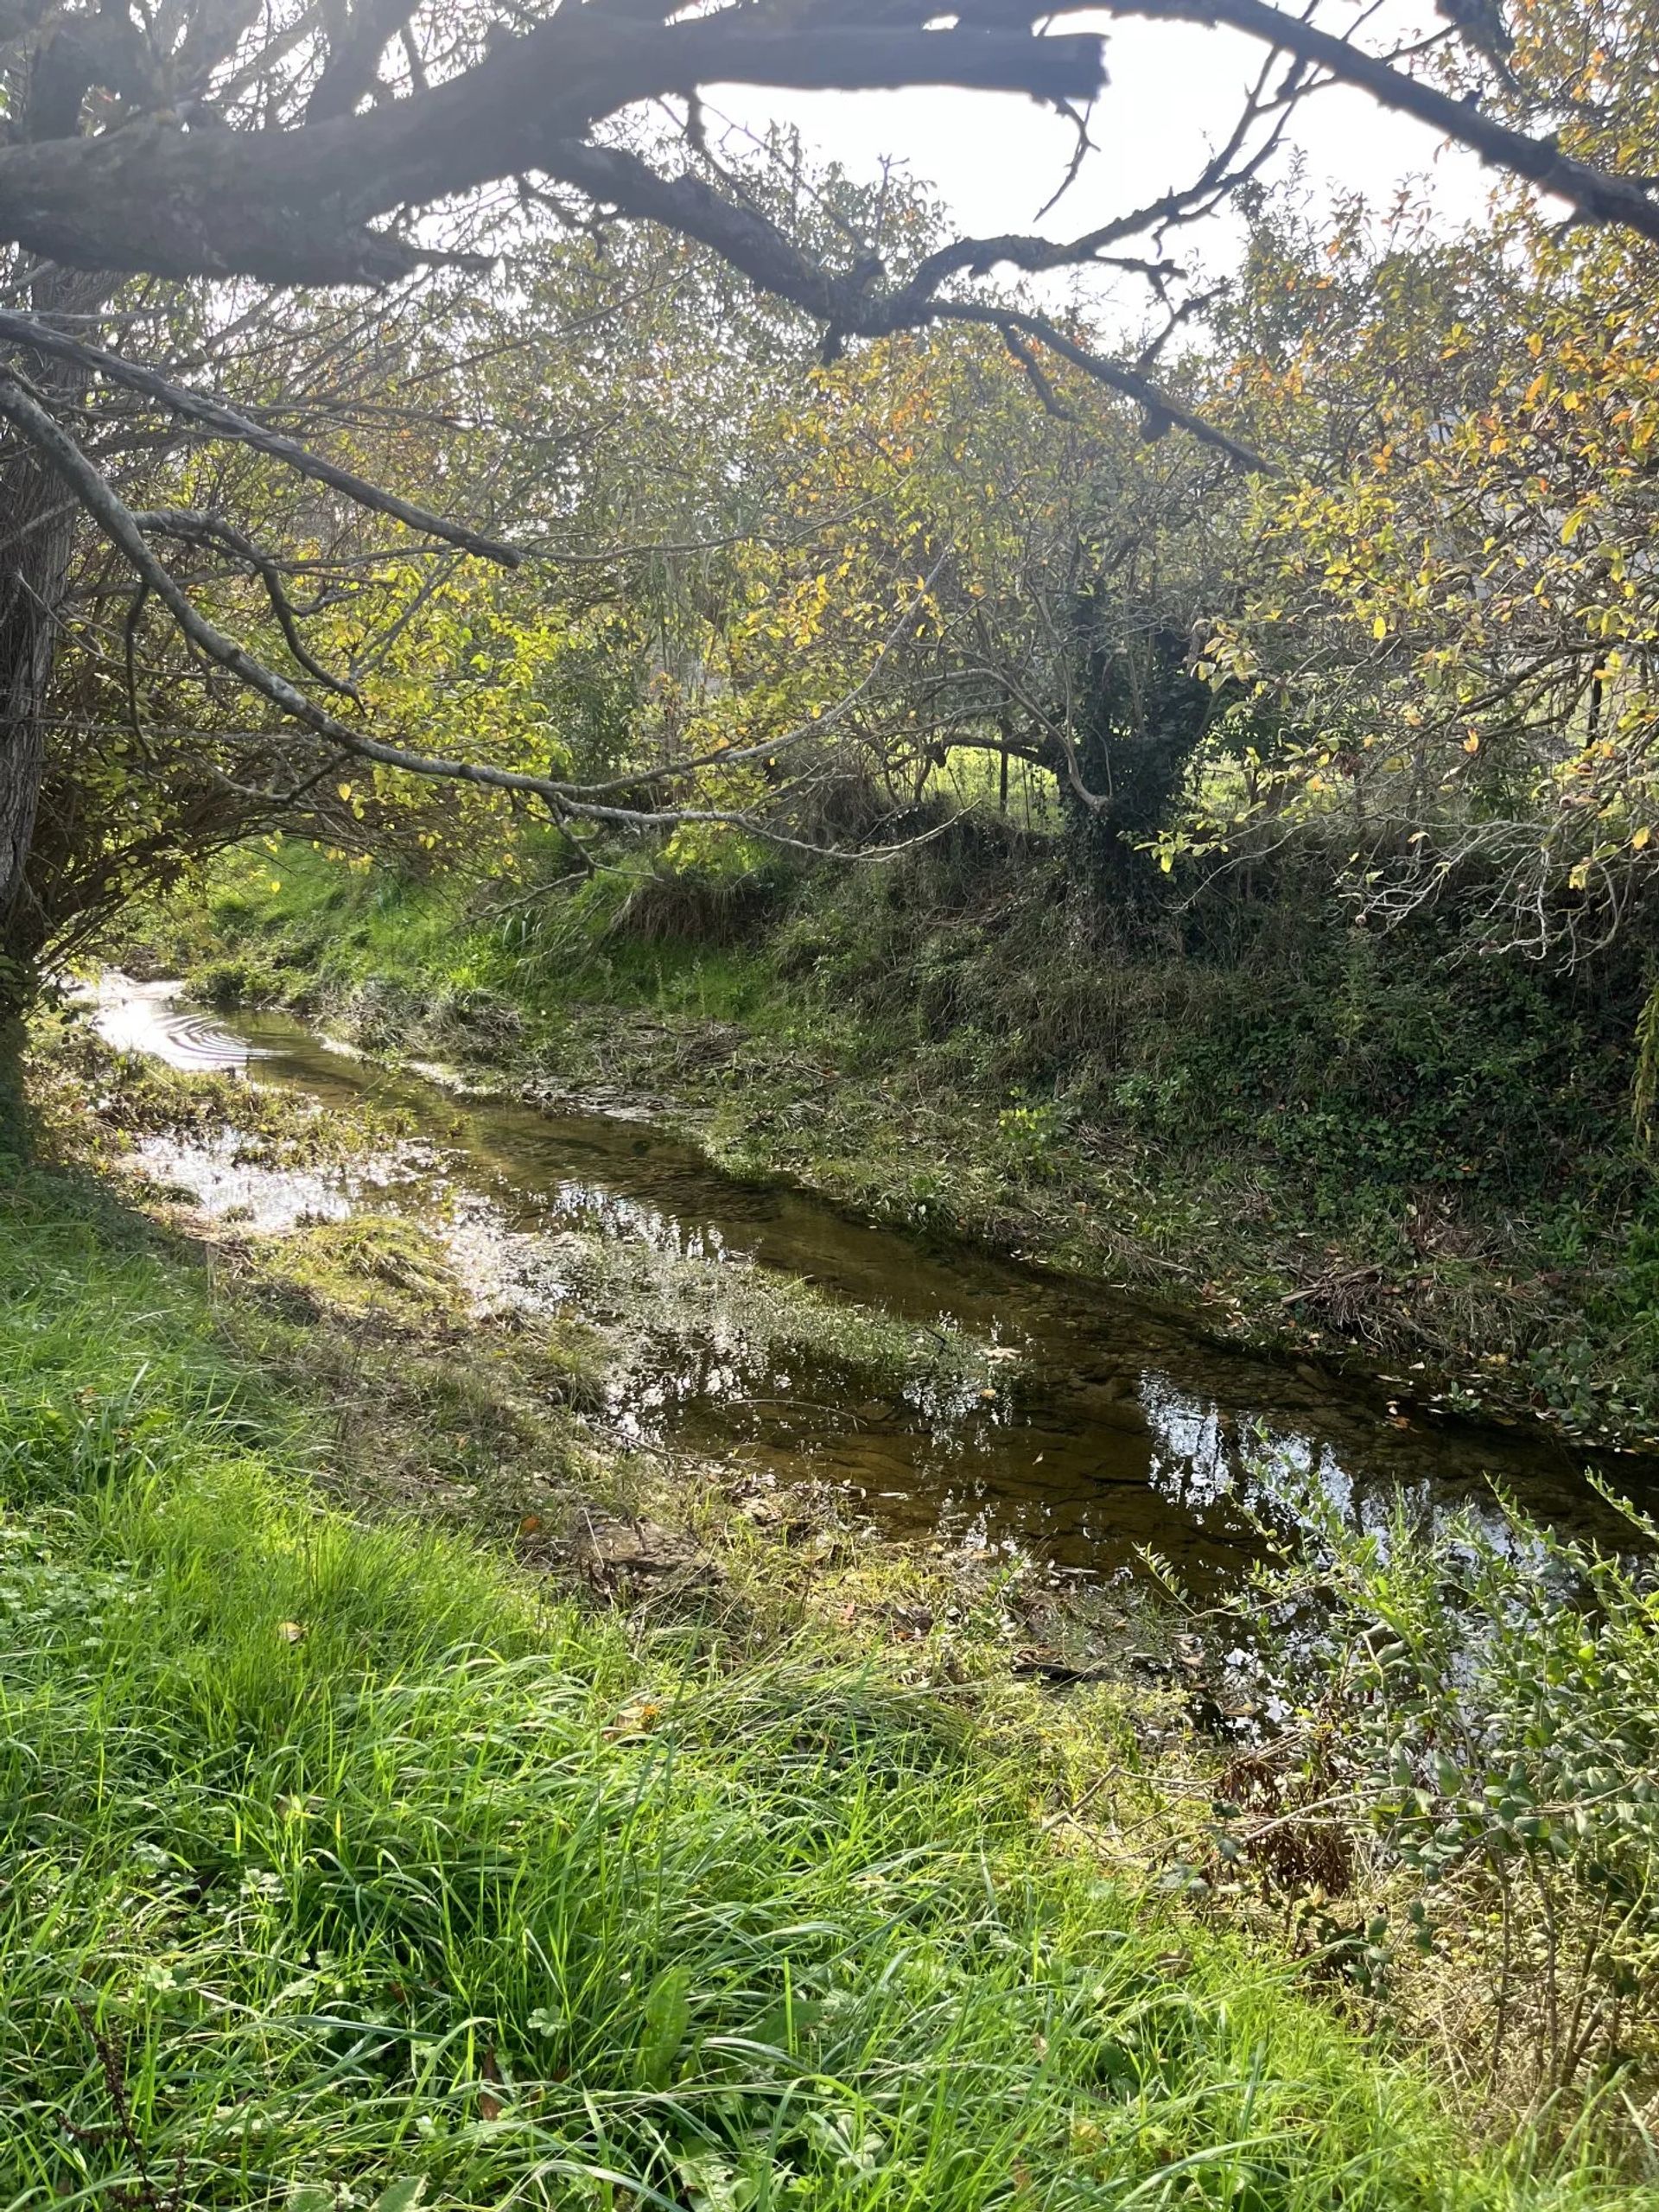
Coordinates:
<point>1402,1167</point>
<point>449,1321</point>
<point>934,1393</point>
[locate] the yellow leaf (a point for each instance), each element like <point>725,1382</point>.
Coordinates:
<point>1640,838</point>
<point>1471,743</point>
<point>1380,628</point>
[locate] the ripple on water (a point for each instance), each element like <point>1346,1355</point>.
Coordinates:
<point>136,1017</point>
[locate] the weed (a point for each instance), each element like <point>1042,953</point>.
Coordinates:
<point>1480,1706</point>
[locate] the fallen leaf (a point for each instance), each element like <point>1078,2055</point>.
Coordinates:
<point>402,2196</point>
<point>636,1720</point>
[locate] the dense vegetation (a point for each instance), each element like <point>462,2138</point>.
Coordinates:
<point>1145,764</point>
<point>346,1858</point>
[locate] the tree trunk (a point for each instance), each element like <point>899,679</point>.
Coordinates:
<point>38,530</point>
<point>1143,715</point>
<point>12,1126</point>
<point>37,540</point>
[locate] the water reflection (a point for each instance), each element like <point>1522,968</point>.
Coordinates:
<point>1106,1426</point>
<point>146,1018</point>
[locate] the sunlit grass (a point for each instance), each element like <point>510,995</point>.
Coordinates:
<point>339,1857</point>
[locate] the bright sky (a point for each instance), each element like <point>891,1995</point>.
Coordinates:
<point>1175,94</point>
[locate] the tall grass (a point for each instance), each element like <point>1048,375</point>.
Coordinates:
<point>341,1862</point>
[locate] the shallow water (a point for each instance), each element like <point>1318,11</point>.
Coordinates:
<point>1111,1427</point>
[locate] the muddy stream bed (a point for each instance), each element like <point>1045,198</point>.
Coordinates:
<point>1084,1426</point>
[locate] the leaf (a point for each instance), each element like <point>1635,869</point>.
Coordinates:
<point>710,2184</point>
<point>402,2196</point>
<point>1639,842</point>
<point>668,2015</point>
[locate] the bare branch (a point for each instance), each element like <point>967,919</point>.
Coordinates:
<point>225,422</point>
<point>194,529</point>
<point>1162,410</point>
<point>1036,374</point>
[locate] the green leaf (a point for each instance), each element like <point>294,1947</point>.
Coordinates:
<point>402,2196</point>
<point>668,2015</point>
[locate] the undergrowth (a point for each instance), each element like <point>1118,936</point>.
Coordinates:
<point>347,1861</point>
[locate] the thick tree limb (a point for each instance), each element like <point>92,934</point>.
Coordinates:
<point>293,205</point>
<point>296,205</point>
<point>1596,196</point>
<point>350,69</point>
<point>752,243</point>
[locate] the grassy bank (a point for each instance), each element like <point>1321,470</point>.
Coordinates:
<point>350,1859</point>
<point>1311,1136</point>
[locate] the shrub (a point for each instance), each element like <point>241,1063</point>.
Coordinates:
<point>1478,1704</point>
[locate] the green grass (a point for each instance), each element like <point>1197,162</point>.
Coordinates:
<point>339,1857</point>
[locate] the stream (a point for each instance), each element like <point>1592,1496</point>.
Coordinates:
<point>1107,1428</point>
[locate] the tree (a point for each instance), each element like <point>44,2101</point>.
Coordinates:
<point>319,144</point>
<point>1447,653</point>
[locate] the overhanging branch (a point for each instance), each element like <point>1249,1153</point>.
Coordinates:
<point>567,802</point>
<point>224,422</point>
<point>293,206</point>
<point>1596,196</point>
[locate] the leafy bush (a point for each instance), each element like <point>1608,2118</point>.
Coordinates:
<point>1478,1707</point>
